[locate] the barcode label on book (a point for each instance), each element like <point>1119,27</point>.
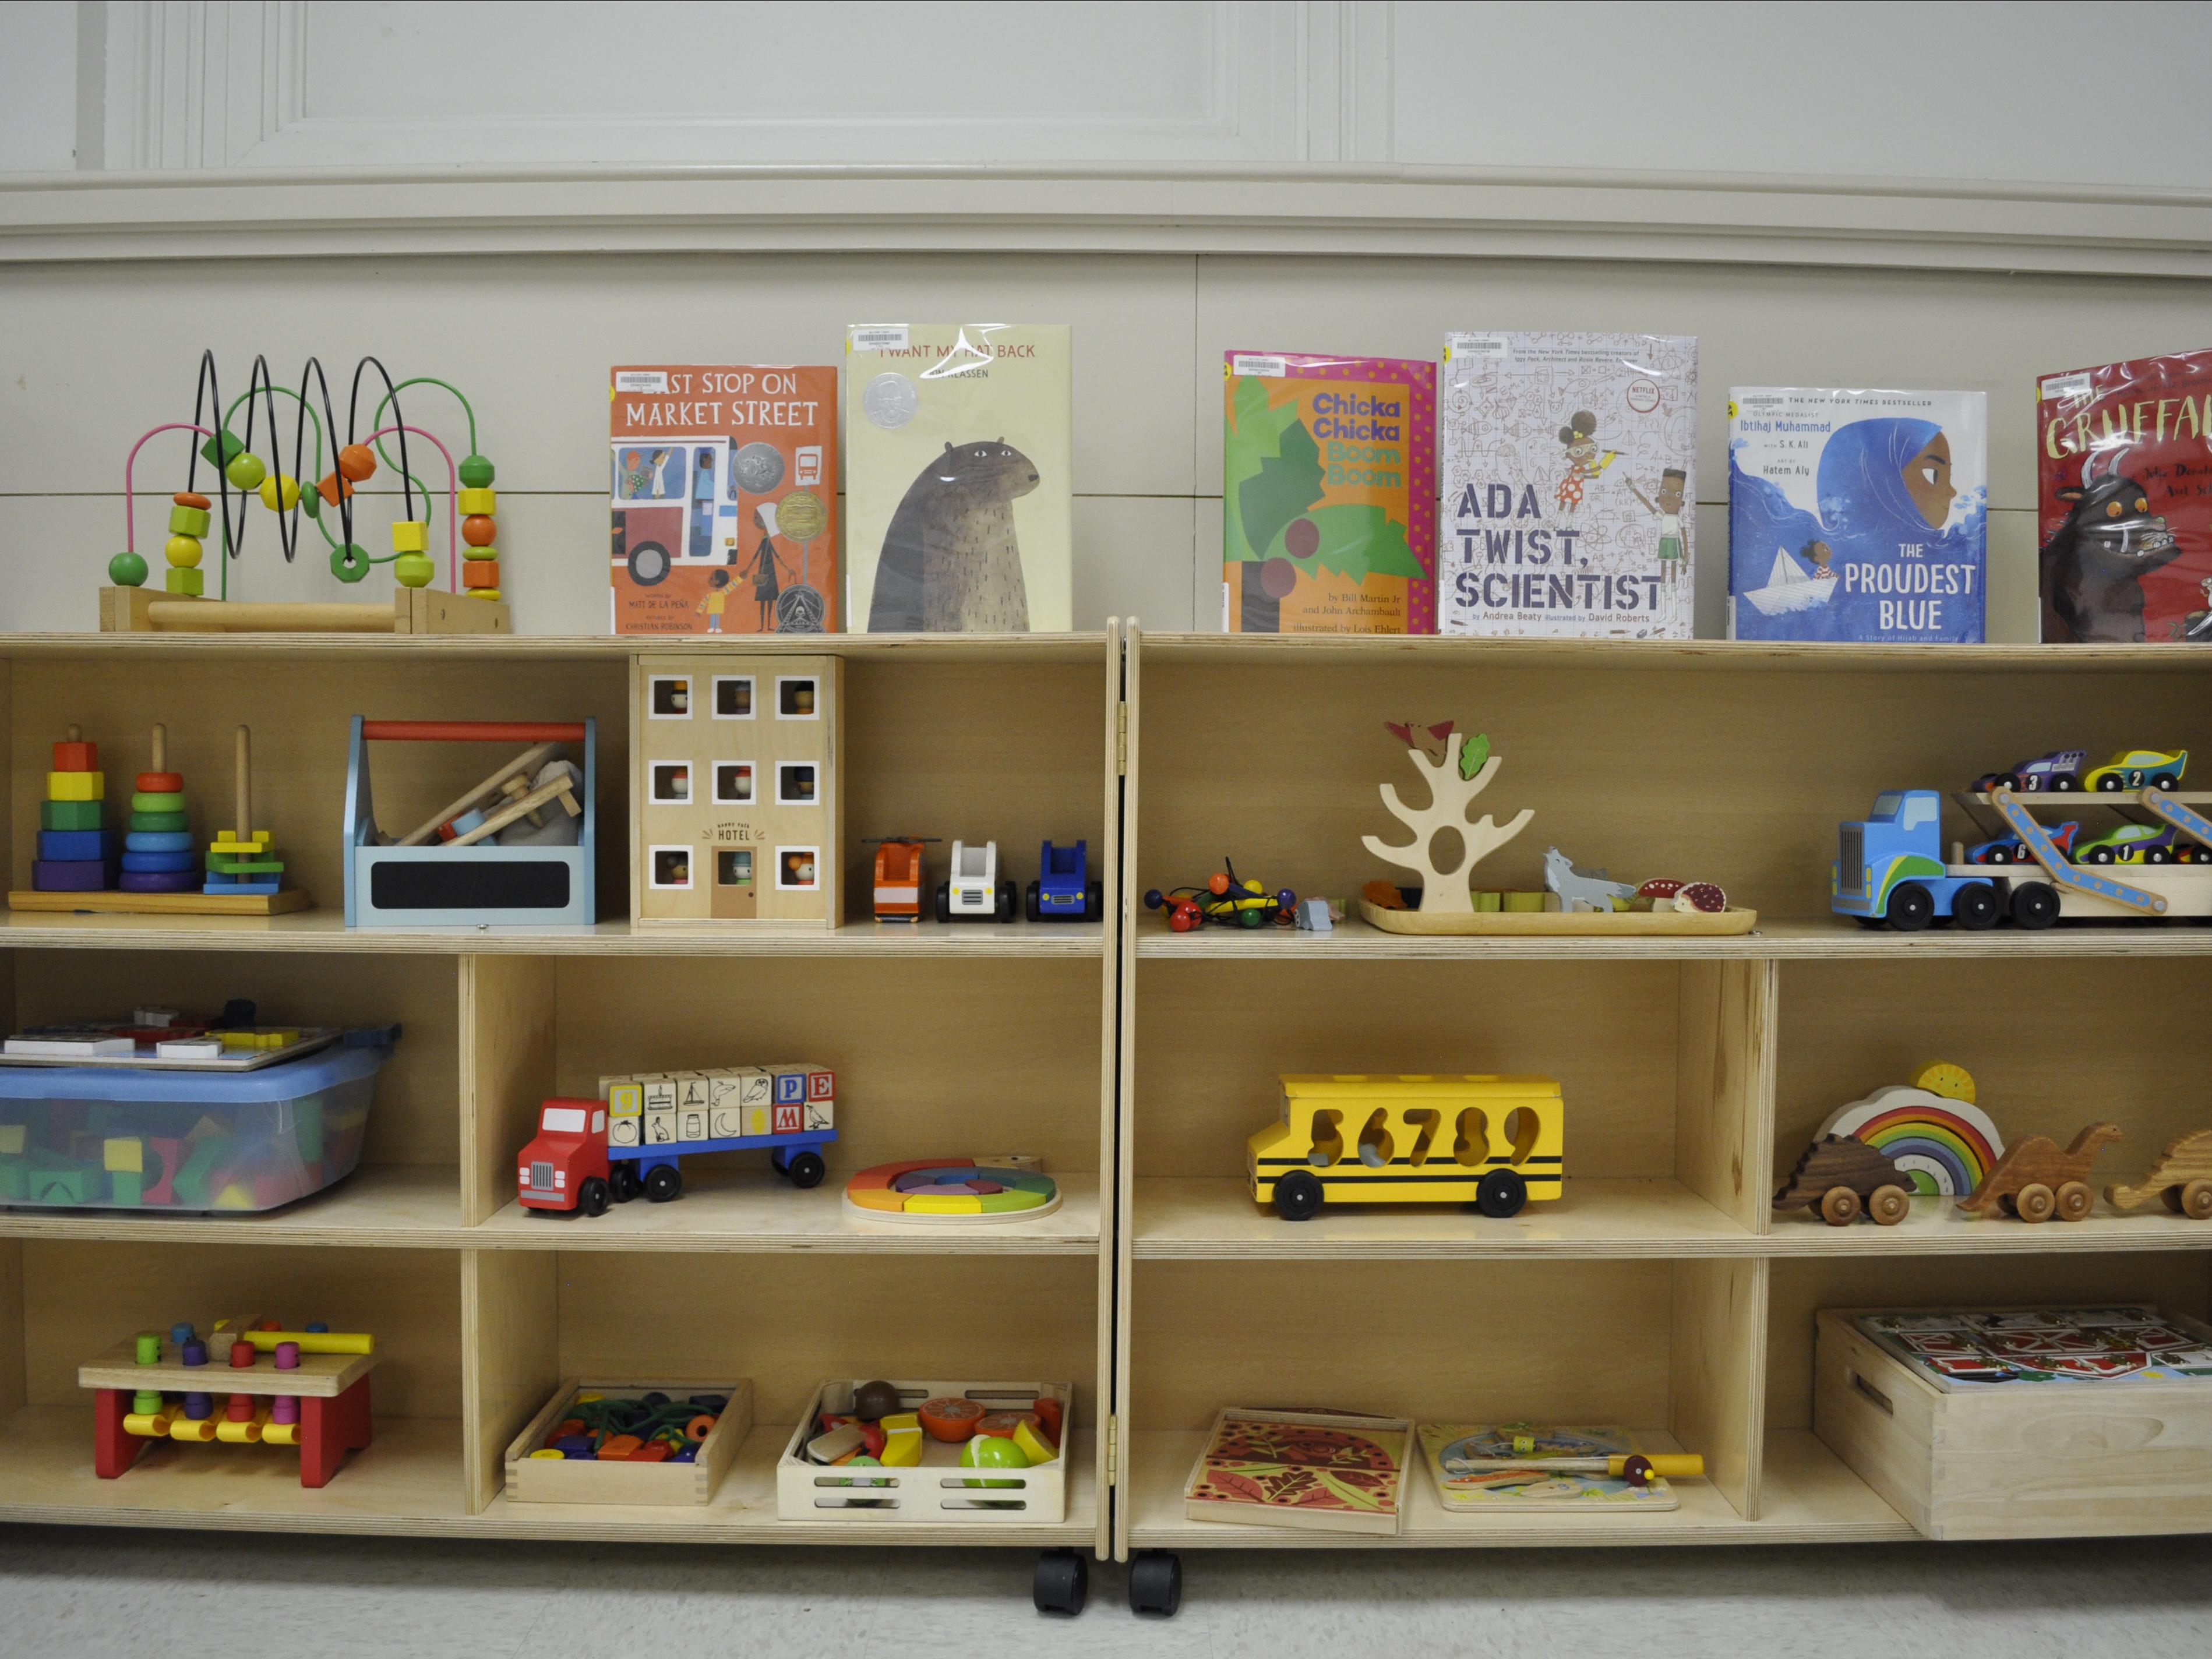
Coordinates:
<point>1476,345</point>
<point>641,380</point>
<point>1271,367</point>
<point>879,337</point>
<point>2066,385</point>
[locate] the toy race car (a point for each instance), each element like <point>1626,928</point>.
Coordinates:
<point>2058,773</point>
<point>1063,891</point>
<point>975,893</point>
<point>899,877</point>
<point>1225,901</point>
<point>2133,768</point>
<point>2142,843</point>
<point>2009,849</point>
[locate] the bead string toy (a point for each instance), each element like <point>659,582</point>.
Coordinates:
<point>237,467</point>
<point>654,1429</point>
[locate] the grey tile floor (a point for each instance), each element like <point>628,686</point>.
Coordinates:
<point>66,1592</point>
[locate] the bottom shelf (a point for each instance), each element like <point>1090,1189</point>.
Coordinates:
<point>1809,1497</point>
<point>410,1482</point>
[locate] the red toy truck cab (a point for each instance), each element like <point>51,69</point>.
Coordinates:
<point>566,1167</point>
<point>898,881</point>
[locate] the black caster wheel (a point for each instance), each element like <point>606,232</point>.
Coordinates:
<point>1063,1579</point>
<point>1156,1582</point>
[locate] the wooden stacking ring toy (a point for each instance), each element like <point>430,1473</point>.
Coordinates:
<point>939,1190</point>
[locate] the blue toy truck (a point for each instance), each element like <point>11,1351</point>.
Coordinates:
<point>1063,890</point>
<point>1889,869</point>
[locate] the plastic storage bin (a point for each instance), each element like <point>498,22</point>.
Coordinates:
<point>82,1136</point>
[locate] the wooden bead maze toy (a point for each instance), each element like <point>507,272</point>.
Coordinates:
<point>158,872</point>
<point>307,1389</point>
<point>473,606</point>
<point>516,847</point>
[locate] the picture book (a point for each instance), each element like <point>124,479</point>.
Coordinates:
<point>2124,497</point>
<point>1328,495</point>
<point>1501,1466</point>
<point>1857,515</point>
<point>1570,477</point>
<point>960,458</point>
<point>1959,1351</point>
<point>723,493</point>
<point>1301,1469</point>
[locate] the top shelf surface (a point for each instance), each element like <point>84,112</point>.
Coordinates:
<point>552,647</point>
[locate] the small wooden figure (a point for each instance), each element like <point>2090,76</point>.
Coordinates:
<point>2181,1175</point>
<point>2035,1180</point>
<point>1839,1175</point>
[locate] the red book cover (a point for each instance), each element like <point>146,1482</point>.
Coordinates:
<point>723,492</point>
<point>2124,475</point>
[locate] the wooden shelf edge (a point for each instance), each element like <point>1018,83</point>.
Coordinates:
<point>1074,647</point>
<point>400,1206</point>
<point>1260,650</point>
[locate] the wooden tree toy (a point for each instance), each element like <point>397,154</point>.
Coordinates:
<point>76,853</point>
<point>2181,1175</point>
<point>1455,779</point>
<point>2035,1180</point>
<point>157,851</point>
<point>240,859</point>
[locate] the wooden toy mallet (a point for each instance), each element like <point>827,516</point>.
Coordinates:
<point>1638,1468</point>
<point>527,762</point>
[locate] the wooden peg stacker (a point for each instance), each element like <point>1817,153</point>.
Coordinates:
<point>240,859</point>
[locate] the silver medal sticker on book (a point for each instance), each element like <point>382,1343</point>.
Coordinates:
<point>1568,485</point>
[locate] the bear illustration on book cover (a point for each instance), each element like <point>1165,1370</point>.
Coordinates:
<point>960,449</point>
<point>2124,481</point>
<point>1568,466</point>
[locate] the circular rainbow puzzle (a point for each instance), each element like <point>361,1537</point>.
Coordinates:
<point>1946,1145</point>
<point>938,1190</point>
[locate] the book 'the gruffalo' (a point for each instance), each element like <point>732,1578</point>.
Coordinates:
<point>1328,492</point>
<point>2124,483</point>
<point>723,499</point>
<point>959,455</point>
<point>1569,484</point>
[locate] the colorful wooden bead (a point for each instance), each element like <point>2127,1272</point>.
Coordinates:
<point>477,530</point>
<point>166,800</point>
<point>158,783</point>
<point>181,550</point>
<point>245,470</point>
<point>160,823</point>
<point>184,583</point>
<point>478,501</point>
<point>74,754</point>
<point>480,573</point>
<point>192,498</point>
<point>218,450</point>
<point>127,570</point>
<point>280,494</point>
<point>76,786</point>
<point>482,593</point>
<point>410,535</point>
<point>333,488</point>
<point>349,563</point>
<point>477,473</point>
<point>69,814</point>
<point>357,462</point>
<point>188,521</point>
<point>414,569</point>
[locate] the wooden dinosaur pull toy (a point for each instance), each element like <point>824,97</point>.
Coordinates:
<point>2036,1180</point>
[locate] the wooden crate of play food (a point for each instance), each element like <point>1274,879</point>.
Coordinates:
<point>531,1478</point>
<point>938,1488</point>
<point>2023,1423</point>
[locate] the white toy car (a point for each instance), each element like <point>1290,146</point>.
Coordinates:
<point>975,893</point>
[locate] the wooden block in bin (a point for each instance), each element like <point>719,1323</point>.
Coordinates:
<point>559,1480</point>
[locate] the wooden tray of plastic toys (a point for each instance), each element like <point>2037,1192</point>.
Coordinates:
<point>576,1452</point>
<point>1611,924</point>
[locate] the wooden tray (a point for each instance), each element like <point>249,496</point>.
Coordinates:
<point>549,1481</point>
<point>1584,923</point>
<point>167,904</point>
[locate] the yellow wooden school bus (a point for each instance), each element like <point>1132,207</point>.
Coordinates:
<point>1491,1141</point>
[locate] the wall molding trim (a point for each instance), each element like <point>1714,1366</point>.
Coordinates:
<point>1355,209</point>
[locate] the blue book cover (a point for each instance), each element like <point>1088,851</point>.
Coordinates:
<point>1857,515</point>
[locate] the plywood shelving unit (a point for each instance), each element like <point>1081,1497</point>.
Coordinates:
<point>1659,1292</point>
<point>946,1039</point>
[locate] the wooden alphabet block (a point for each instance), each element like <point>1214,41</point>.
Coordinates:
<point>691,1123</point>
<point>659,1094</point>
<point>755,1086</point>
<point>625,1098</point>
<point>660,1127</point>
<point>789,1117</point>
<point>624,1131</point>
<point>756,1120</point>
<point>820,1114</point>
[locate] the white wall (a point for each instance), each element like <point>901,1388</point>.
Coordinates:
<point>1173,179</point>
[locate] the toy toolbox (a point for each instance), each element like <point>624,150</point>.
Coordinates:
<point>938,1489</point>
<point>111,1138</point>
<point>2048,1460</point>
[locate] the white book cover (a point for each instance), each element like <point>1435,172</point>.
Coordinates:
<point>1568,485</point>
<point>1857,515</point>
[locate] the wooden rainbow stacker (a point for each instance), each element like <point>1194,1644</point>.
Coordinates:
<point>306,1388</point>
